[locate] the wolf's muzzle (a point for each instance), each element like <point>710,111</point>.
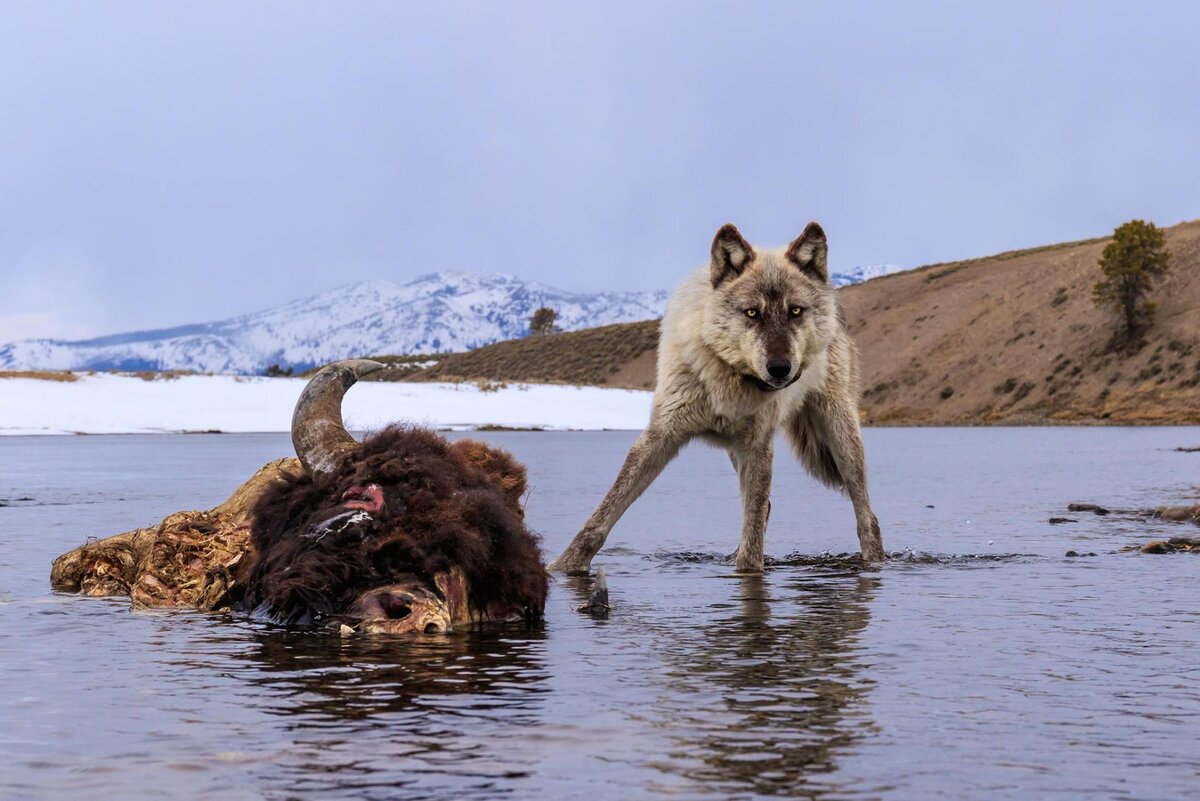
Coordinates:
<point>768,386</point>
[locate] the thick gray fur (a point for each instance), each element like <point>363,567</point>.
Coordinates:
<point>724,326</point>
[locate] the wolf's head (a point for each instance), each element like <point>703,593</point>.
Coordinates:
<point>771,313</point>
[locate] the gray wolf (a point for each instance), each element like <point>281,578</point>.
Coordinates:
<point>752,342</point>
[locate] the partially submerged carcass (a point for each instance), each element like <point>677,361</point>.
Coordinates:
<point>403,532</point>
<point>1175,514</point>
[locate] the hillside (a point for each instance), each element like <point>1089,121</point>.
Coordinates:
<point>1007,339</point>
<point>1015,338</point>
<point>619,355</point>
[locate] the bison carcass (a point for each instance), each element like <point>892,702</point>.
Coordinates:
<point>403,532</point>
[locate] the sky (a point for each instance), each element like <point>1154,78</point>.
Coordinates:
<point>168,163</point>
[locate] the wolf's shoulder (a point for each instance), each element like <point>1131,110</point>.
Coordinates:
<point>686,304</point>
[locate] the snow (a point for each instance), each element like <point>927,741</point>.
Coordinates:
<point>122,404</point>
<point>436,313</point>
<point>864,273</point>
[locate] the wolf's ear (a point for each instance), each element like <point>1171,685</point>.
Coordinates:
<point>730,254</point>
<point>810,252</point>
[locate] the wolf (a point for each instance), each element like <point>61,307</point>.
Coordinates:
<point>754,341</point>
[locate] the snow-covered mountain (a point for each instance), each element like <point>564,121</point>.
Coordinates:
<point>448,311</point>
<point>864,273</point>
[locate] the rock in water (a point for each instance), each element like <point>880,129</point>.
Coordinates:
<point>1172,545</point>
<point>598,601</point>
<point>1179,514</point>
<point>1087,507</point>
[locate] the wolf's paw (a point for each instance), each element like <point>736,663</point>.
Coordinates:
<point>870,541</point>
<point>746,563</point>
<point>874,554</point>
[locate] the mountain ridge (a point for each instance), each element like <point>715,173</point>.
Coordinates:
<point>432,313</point>
<point>1012,338</point>
<point>449,311</point>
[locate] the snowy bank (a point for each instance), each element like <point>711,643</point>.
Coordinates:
<point>119,404</point>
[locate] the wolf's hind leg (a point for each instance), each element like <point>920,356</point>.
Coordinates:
<point>646,459</point>
<point>827,438</point>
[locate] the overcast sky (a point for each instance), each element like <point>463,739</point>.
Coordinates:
<point>163,163</point>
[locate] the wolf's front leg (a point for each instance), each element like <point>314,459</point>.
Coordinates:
<point>753,464</point>
<point>648,456</point>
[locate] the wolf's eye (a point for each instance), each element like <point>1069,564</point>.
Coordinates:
<point>797,311</point>
<point>751,312</point>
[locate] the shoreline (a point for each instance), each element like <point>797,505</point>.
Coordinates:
<point>88,404</point>
<point>129,404</point>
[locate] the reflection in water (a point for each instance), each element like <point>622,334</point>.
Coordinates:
<point>580,588</point>
<point>368,715</point>
<point>372,714</point>
<point>773,687</point>
<point>359,678</point>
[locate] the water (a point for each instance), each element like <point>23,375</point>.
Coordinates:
<point>983,664</point>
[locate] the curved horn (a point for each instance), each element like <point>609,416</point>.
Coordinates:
<point>318,433</point>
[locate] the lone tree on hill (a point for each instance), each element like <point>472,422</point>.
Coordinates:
<point>543,320</point>
<point>1130,261</point>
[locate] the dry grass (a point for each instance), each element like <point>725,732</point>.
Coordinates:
<point>1019,340</point>
<point>161,375</point>
<point>593,357</point>
<point>932,272</point>
<point>41,375</point>
<point>396,368</point>
<point>67,375</point>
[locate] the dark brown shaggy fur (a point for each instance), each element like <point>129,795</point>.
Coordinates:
<point>444,505</point>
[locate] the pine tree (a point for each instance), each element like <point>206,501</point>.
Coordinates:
<point>1130,262</point>
<point>543,320</point>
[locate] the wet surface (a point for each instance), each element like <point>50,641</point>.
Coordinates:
<point>981,662</point>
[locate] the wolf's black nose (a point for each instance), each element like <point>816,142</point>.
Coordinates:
<point>779,368</point>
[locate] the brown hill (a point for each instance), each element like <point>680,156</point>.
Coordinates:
<point>1006,339</point>
<point>1015,338</point>
<point>620,355</point>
